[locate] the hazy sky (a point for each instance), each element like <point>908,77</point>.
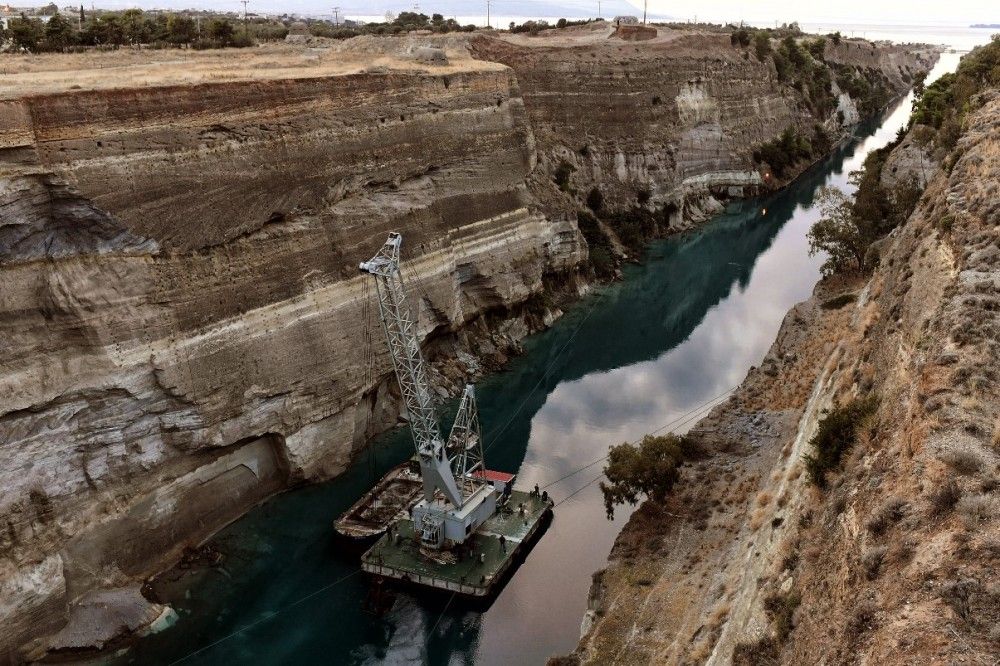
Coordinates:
<point>959,12</point>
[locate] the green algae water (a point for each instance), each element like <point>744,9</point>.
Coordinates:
<point>681,329</point>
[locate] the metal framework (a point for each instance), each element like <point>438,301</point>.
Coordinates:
<point>446,467</point>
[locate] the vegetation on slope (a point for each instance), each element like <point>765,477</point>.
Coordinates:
<point>650,469</point>
<point>941,108</point>
<point>850,225</point>
<point>194,29</point>
<point>837,433</point>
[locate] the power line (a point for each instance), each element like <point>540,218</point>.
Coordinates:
<point>680,420</point>
<point>704,408</point>
<point>266,618</point>
<point>494,436</point>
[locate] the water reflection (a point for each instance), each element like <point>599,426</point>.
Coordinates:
<point>682,328</point>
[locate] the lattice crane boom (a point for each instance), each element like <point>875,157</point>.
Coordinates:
<point>449,467</point>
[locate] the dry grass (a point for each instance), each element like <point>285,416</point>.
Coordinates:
<point>945,497</point>
<point>966,463</point>
<point>758,518</point>
<point>126,68</point>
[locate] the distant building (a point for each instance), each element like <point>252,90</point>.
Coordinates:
<point>298,32</point>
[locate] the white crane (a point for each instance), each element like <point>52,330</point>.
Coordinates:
<point>458,498</point>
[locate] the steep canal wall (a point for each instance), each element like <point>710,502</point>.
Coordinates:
<point>183,326</point>
<point>892,558</point>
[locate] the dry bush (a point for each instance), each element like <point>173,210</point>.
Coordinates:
<point>871,561</point>
<point>764,498</point>
<point>977,509</point>
<point>945,497</point>
<point>862,620</point>
<point>966,463</point>
<point>718,616</point>
<point>957,594</point>
<point>887,515</point>
<point>763,652</point>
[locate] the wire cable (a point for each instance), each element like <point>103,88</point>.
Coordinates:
<point>266,618</point>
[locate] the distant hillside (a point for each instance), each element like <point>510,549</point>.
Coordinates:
<point>985,25</point>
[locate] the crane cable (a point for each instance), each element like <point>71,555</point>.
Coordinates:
<point>680,420</point>
<point>494,435</point>
<point>697,412</point>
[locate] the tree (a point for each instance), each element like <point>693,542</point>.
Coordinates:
<point>181,29</point>
<point>26,33</point>
<point>134,26</point>
<point>651,469</point>
<point>221,30</point>
<point>740,37</point>
<point>838,234</point>
<point>58,33</point>
<point>762,44</point>
<point>50,9</point>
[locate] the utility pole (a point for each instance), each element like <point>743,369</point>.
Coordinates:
<point>598,8</point>
<point>336,15</point>
<point>246,28</point>
<point>644,3</point>
<point>488,14</point>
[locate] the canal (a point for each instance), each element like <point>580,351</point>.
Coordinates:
<point>647,352</point>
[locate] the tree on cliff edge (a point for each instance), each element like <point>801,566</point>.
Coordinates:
<point>651,469</point>
<point>837,233</point>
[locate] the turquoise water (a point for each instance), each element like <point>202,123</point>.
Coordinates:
<point>681,329</point>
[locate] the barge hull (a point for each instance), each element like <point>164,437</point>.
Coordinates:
<point>479,570</point>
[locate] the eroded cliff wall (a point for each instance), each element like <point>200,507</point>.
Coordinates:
<point>182,323</point>
<point>675,120</point>
<point>894,561</point>
<point>181,311</point>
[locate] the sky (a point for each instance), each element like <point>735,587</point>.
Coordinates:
<point>951,12</point>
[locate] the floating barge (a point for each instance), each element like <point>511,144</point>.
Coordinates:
<point>390,500</point>
<point>477,567</point>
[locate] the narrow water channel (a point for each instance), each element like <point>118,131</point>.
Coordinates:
<point>681,329</point>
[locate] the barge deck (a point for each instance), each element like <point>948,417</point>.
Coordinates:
<point>474,569</point>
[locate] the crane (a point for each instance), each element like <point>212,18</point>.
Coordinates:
<point>458,495</point>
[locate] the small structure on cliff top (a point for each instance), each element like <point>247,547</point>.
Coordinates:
<point>430,55</point>
<point>298,32</point>
<point>457,534</point>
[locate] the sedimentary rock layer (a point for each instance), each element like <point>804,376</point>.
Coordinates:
<point>182,314</point>
<point>894,561</point>
<point>183,326</point>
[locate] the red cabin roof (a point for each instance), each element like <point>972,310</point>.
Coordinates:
<point>491,475</point>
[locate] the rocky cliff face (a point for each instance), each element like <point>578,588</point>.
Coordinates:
<point>183,324</point>
<point>895,560</point>
<point>181,307</point>
<point>673,121</point>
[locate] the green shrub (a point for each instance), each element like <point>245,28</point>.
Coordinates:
<point>562,175</point>
<point>762,44</point>
<point>836,434</point>
<point>651,469</point>
<point>595,200</point>
<point>785,151</point>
